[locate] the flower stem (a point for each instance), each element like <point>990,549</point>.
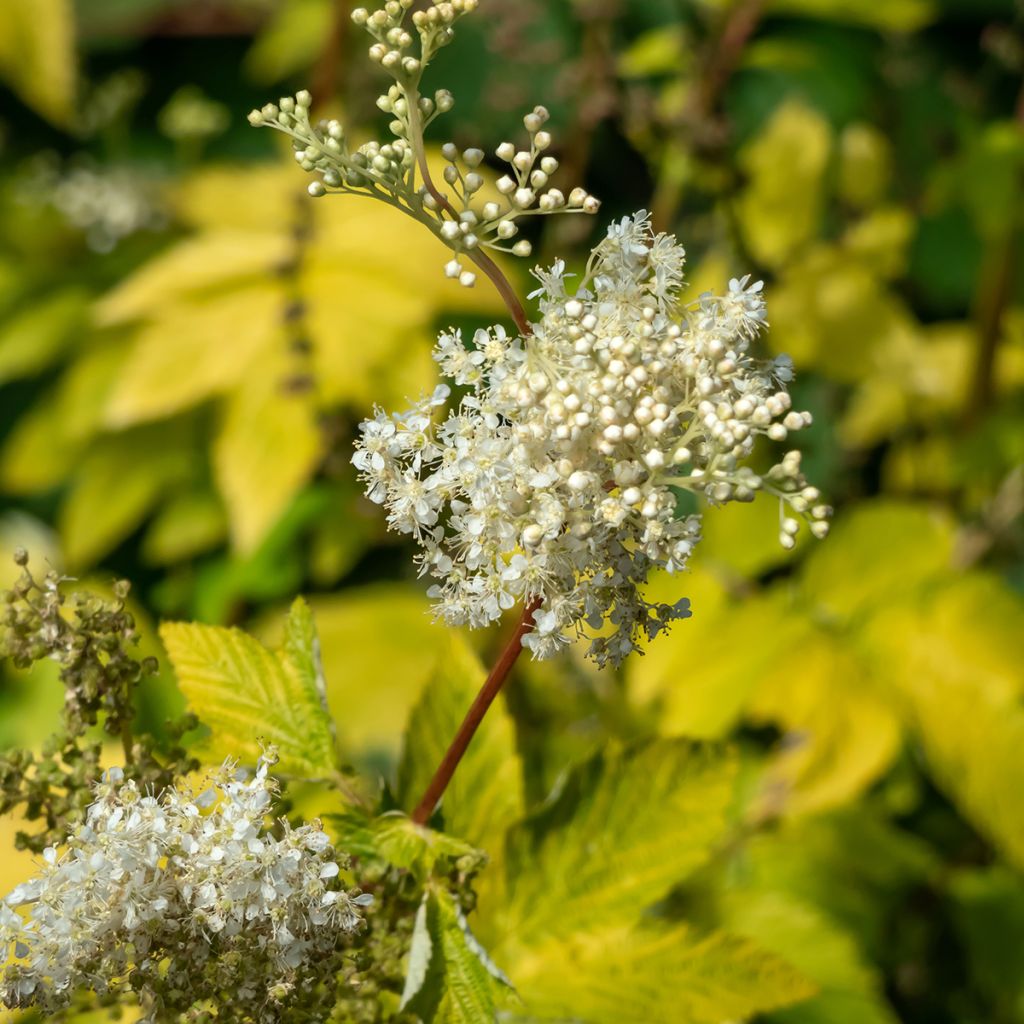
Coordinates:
<point>480,258</point>
<point>492,686</point>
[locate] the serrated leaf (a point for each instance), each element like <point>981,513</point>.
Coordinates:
<point>850,990</point>
<point>248,694</point>
<point>468,986</point>
<point>37,55</point>
<point>486,792</point>
<point>595,853</point>
<point>617,975</point>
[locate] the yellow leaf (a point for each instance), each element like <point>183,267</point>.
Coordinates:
<point>780,208</point>
<point>249,695</point>
<point>380,646</point>
<point>841,733</point>
<point>194,350</point>
<point>910,545</point>
<point>850,991</point>
<point>203,266</point>
<point>266,449</point>
<point>37,55</point>
<point>955,661</point>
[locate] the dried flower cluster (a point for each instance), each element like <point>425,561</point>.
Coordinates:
<point>91,637</point>
<point>397,172</point>
<point>555,478</point>
<point>184,898</point>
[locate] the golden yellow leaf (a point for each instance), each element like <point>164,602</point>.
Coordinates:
<point>37,55</point>
<point>780,208</point>
<point>266,449</point>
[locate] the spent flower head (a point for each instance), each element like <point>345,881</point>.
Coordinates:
<point>555,479</point>
<point>181,898</point>
<point>396,171</point>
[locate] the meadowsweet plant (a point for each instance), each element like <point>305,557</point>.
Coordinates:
<point>184,898</point>
<point>554,481</point>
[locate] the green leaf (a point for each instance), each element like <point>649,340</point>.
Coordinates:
<point>35,337</point>
<point>596,853</point>
<point>248,694</point>
<point>121,478</point>
<point>457,986</point>
<point>486,792</point>
<point>988,911</point>
<point>185,527</point>
<point>291,42</point>
<point>616,975</point>
<point>890,16</point>
<point>37,55</point>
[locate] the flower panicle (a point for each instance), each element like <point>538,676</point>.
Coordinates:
<point>181,895</point>
<point>556,478</point>
<point>396,171</point>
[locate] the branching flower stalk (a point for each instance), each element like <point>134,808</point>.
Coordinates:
<point>554,483</point>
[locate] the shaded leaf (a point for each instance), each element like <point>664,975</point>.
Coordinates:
<point>37,55</point>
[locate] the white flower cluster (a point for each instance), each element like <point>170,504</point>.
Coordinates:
<point>181,898</point>
<point>555,479</point>
<point>396,171</point>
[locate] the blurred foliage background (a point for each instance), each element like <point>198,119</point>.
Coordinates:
<point>186,345</point>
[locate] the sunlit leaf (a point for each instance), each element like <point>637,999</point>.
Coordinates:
<point>613,974</point>
<point>850,991</point>
<point>955,660</point>
<point>596,854</point>
<point>249,695</point>
<point>891,16</point>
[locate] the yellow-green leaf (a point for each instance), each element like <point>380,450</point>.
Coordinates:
<point>780,208</point>
<point>35,337</point>
<point>195,349</point>
<point>613,974</point>
<point>266,449</point>
<point>249,695</point>
<point>37,55</point>
<point>595,853</point>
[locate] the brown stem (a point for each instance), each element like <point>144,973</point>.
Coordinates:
<point>492,685</point>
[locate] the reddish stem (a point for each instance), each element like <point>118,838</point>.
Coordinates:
<point>492,686</point>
